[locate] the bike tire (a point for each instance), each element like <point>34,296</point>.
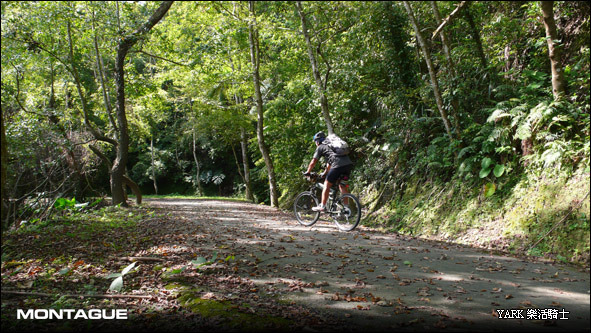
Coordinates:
<point>346,212</point>
<point>302,208</point>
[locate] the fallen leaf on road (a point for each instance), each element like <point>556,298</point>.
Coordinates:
<point>405,282</point>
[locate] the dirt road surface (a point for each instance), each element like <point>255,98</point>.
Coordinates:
<point>372,281</point>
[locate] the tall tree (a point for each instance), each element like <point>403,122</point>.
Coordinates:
<point>197,164</point>
<point>451,64</point>
<point>243,135</point>
<point>444,39</point>
<point>4,203</point>
<point>432,74</point>
<point>320,85</point>
<point>255,59</point>
<point>100,70</point>
<point>126,43</point>
<point>554,52</point>
<point>475,36</point>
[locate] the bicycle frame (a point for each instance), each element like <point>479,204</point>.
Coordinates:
<point>319,185</point>
<point>337,207</point>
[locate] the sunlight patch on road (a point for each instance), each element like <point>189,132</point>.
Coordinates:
<point>554,292</point>
<point>448,277</point>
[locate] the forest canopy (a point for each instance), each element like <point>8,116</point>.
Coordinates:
<point>223,99</point>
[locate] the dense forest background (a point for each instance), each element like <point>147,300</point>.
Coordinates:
<point>468,121</point>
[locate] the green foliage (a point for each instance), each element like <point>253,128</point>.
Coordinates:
<point>63,203</point>
<point>189,88</point>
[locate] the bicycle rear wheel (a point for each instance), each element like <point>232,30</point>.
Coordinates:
<point>346,212</point>
<point>302,208</point>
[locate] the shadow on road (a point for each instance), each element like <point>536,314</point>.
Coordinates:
<point>381,281</point>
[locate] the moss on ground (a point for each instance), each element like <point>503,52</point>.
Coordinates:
<point>233,316</point>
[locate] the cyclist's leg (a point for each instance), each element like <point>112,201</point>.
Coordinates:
<point>335,174</point>
<point>344,187</point>
<point>332,178</point>
<point>324,196</point>
<point>344,181</point>
<point>326,192</point>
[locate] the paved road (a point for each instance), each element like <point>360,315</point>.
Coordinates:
<point>376,281</point>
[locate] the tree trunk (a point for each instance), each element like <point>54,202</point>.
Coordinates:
<point>134,188</point>
<point>243,138</point>
<point>153,165</point>
<point>554,50</point>
<point>5,202</point>
<point>126,180</point>
<point>432,75</point>
<point>444,40</point>
<point>101,74</point>
<point>197,165</point>
<point>118,169</point>
<point>452,68</point>
<point>255,59</point>
<point>476,36</point>
<point>244,148</point>
<point>448,19</point>
<point>74,71</point>
<point>319,83</point>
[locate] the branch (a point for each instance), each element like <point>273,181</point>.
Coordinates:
<point>134,188</point>
<point>131,39</point>
<point>328,67</point>
<point>221,7</point>
<point>71,70</point>
<point>18,93</point>
<point>448,19</point>
<point>102,156</point>
<point>101,72</point>
<point>158,57</point>
<point>42,47</point>
<point>98,135</point>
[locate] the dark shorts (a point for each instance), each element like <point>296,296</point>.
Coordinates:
<point>335,174</point>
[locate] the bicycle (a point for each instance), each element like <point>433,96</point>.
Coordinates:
<point>344,210</point>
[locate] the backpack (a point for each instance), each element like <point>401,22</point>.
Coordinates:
<point>338,145</point>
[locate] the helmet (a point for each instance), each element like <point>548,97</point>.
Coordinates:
<point>320,136</point>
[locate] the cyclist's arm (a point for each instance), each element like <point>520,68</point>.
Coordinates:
<point>311,165</point>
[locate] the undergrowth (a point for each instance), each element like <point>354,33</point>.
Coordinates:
<point>544,214</point>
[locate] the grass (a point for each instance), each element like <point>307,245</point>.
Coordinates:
<point>529,214</point>
<point>191,197</point>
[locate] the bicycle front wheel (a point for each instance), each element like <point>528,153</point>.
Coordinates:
<point>302,208</point>
<point>346,212</point>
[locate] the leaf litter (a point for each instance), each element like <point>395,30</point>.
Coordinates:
<point>250,268</point>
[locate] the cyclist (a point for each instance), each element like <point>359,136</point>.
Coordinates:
<point>336,166</point>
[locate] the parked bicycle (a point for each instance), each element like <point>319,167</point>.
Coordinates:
<point>344,210</point>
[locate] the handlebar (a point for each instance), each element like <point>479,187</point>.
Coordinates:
<point>313,176</point>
